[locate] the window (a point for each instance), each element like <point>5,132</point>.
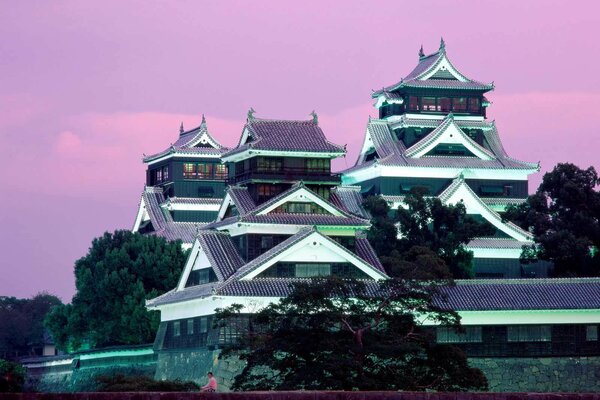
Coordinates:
<point>165,173</point>
<point>190,326</point>
<point>474,104</point>
<point>429,104</point>
<point>203,324</point>
<point>269,164</point>
<point>446,334</point>
<point>205,170</point>
<point>159,175</point>
<point>413,103</point>
<point>189,170</point>
<point>444,104</point>
<point>267,191</point>
<point>317,164</point>
<point>459,104</point>
<point>300,208</point>
<point>321,191</point>
<point>221,171</point>
<point>177,328</point>
<point>312,270</point>
<point>591,333</point>
<point>200,277</point>
<point>528,333</point>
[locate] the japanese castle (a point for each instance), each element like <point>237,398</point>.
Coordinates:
<point>270,212</point>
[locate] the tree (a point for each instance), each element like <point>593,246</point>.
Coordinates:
<point>363,337</point>
<point>22,330</point>
<point>120,271</point>
<point>424,223</point>
<point>12,376</point>
<point>564,216</point>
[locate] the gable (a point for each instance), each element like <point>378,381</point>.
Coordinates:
<point>302,200</point>
<point>314,249</point>
<point>460,192</point>
<point>443,68</point>
<point>450,149</point>
<point>448,133</point>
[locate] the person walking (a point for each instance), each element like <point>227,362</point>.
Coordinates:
<point>211,386</point>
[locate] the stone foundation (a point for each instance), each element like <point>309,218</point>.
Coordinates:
<point>544,374</point>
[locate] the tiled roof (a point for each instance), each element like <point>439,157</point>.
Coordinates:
<point>242,199</point>
<point>193,142</point>
<point>284,135</point>
<point>437,132</point>
<point>365,251</point>
<point>405,121</point>
<point>392,152</point>
<point>190,293</point>
<point>459,182</point>
<point>446,84</point>
<point>501,201</point>
<point>305,219</point>
<point>274,251</point>
<point>439,80</point>
<point>496,243</point>
<point>270,287</point>
<point>162,221</point>
<point>349,199</point>
<point>221,253</point>
<point>523,294</point>
<point>194,200</point>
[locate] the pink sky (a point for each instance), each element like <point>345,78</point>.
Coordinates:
<point>87,87</point>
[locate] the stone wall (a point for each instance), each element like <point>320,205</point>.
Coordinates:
<point>301,395</point>
<point>193,365</point>
<point>78,372</point>
<point>544,374</point>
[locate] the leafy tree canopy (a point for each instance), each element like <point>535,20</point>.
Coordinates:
<point>363,337</point>
<point>12,376</point>
<point>120,271</point>
<point>22,324</point>
<point>564,216</point>
<point>432,234</point>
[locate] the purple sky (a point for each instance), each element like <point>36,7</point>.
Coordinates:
<point>86,88</point>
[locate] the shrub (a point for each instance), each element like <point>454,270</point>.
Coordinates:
<point>139,383</point>
<point>12,376</point>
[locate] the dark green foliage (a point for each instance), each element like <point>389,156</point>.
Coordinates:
<point>113,281</point>
<point>425,224</point>
<point>564,216</point>
<point>140,383</point>
<point>12,376</point>
<point>361,338</point>
<point>22,324</point>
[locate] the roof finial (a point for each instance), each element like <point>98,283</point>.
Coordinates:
<point>315,117</point>
<point>181,130</point>
<point>421,52</point>
<point>442,44</point>
<point>203,119</point>
<point>250,114</point>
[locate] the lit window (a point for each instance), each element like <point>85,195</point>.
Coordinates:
<point>189,170</point>
<point>177,328</point>
<point>165,173</point>
<point>429,104</point>
<point>205,170</point>
<point>529,333</point>
<point>446,334</point>
<point>190,326</point>
<point>159,175</point>
<point>221,171</point>
<point>445,104</point>
<point>591,333</point>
